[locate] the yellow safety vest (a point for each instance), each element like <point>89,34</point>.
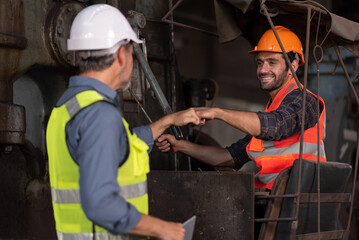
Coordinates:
<point>71,221</point>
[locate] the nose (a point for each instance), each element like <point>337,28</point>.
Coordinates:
<point>264,68</point>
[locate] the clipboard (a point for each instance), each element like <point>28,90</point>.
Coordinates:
<point>189,227</point>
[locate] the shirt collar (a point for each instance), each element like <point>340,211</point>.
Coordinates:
<point>103,89</point>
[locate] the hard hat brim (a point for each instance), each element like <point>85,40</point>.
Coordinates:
<point>92,44</point>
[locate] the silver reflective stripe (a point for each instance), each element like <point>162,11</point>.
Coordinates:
<point>285,94</point>
<point>65,195</point>
<point>89,236</point>
<point>73,106</point>
<point>265,178</point>
<point>268,144</point>
<point>74,236</point>
<point>290,88</point>
<point>72,196</point>
<point>134,190</point>
<point>308,148</point>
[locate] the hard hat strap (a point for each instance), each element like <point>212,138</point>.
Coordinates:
<point>297,57</point>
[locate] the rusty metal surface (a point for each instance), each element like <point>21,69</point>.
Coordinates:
<point>37,16</point>
<point>325,197</point>
<point>11,30</point>
<point>235,18</point>
<point>327,235</point>
<point>13,181</point>
<point>12,123</point>
<point>39,218</point>
<point>222,201</point>
<point>10,41</point>
<point>59,31</point>
<point>25,198</point>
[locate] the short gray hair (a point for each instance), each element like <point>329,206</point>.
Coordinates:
<point>98,60</point>
<point>97,63</point>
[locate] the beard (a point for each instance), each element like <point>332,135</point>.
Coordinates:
<point>276,83</point>
<point>127,85</point>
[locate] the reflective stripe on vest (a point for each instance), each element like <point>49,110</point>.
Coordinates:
<point>292,149</point>
<point>265,178</point>
<point>274,156</point>
<point>71,196</point>
<point>71,221</point>
<point>98,235</point>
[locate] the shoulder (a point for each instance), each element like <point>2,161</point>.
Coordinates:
<point>296,97</point>
<point>101,114</point>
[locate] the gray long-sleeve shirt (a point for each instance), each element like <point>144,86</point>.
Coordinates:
<point>97,140</point>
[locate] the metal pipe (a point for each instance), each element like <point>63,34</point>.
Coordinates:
<point>346,74</point>
<point>318,149</point>
<point>305,5</point>
<point>274,219</point>
<point>277,196</point>
<point>357,153</point>
<point>155,87</point>
<point>354,185</point>
<point>170,12</point>
<point>309,12</point>
<point>173,86</point>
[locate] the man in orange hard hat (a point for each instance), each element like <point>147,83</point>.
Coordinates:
<point>273,136</point>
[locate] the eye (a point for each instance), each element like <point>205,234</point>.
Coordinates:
<point>271,63</point>
<point>259,64</point>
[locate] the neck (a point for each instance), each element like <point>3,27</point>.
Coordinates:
<point>103,76</point>
<point>274,93</point>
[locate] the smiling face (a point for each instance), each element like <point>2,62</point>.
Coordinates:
<point>272,71</point>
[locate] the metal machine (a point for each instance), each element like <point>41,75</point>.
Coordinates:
<point>35,67</point>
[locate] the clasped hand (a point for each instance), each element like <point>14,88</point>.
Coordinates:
<point>195,116</point>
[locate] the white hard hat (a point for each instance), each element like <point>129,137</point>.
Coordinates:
<point>98,27</point>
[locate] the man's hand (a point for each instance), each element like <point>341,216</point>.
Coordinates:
<point>181,118</point>
<point>172,231</point>
<point>167,142</point>
<point>185,117</point>
<point>206,113</point>
<point>158,228</point>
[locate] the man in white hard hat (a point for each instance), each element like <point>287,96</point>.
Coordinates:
<point>98,165</point>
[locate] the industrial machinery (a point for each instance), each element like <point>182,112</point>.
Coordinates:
<point>34,71</point>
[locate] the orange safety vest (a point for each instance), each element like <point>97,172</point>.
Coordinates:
<point>274,156</point>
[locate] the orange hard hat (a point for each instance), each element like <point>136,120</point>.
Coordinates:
<point>290,41</point>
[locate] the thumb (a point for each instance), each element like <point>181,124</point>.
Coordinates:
<point>163,137</point>
<point>160,138</point>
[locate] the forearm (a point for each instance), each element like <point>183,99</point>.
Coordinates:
<point>247,122</point>
<point>160,229</point>
<point>211,155</point>
<point>148,226</point>
<point>177,119</point>
<point>159,126</point>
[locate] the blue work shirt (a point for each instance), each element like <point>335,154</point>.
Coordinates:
<point>97,141</point>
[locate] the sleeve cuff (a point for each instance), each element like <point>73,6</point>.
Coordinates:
<point>135,217</point>
<point>264,124</point>
<point>145,134</point>
<point>239,153</point>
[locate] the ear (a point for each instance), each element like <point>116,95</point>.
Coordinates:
<point>121,56</point>
<point>295,65</point>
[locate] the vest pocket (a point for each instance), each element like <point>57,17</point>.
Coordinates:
<point>140,157</point>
